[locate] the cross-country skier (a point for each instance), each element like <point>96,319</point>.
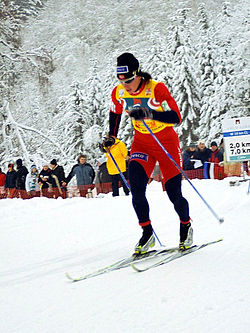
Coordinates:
<point>145,99</point>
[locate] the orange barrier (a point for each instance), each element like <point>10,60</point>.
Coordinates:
<point>64,192</point>
<point>192,174</point>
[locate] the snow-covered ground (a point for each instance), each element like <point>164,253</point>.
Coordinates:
<point>41,239</point>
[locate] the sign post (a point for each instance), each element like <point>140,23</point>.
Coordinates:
<point>236,134</point>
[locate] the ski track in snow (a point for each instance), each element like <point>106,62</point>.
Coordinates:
<point>41,239</point>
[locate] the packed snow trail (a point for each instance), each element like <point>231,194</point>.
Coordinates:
<point>42,238</point>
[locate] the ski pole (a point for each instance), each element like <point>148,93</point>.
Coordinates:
<point>220,219</point>
<point>118,169</point>
<point>123,178</point>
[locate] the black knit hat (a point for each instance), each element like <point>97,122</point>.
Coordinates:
<point>127,66</point>
<point>213,143</point>
<point>53,162</point>
<point>19,162</point>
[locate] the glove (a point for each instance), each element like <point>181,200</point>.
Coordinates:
<point>139,113</point>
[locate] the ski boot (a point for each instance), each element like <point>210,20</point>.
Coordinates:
<point>146,241</point>
<point>186,236</point>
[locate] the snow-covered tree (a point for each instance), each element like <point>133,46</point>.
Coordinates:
<point>205,58</point>
<point>221,96</point>
<point>185,88</point>
<point>21,140</point>
<point>45,49</point>
<point>70,121</point>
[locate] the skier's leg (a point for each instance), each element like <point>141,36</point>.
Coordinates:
<point>138,182</point>
<point>173,189</point>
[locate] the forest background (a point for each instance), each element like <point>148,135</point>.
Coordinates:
<point>57,70</point>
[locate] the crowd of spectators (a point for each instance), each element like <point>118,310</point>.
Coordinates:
<point>195,156</point>
<point>52,182</point>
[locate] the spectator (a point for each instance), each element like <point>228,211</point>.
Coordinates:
<point>2,178</point>
<point>84,173</point>
<point>102,171</point>
<point>119,152</point>
<point>103,179</point>
<point>202,153</point>
<point>45,180</point>
<point>2,182</point>
<point>216,155</point>
<point>188,154</point>
<point>21,178</point>
<point>10,181</point>
<point>58,180</point>
<point>31,184</point>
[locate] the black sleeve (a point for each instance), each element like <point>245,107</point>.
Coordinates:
<point>91,171</point>
<point>93,174</point>
<point>62,175</point>
<point>114,122</point>
<point>39,177</point>
<point>209,154</point>
<point>6,185</point>
<point>220,156</point>
<point>50,179</point>
<point>170,117</point>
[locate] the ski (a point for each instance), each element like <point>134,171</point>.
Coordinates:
<point>237,182</point>
<point>178,254</point>
<point>122,263</point>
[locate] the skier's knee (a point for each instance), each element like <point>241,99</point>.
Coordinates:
<point>173,188</point>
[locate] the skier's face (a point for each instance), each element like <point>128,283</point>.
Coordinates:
<point>132,86</point>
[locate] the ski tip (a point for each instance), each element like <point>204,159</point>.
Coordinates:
<point>70,277</point>
<point>215,241</point>
<point>135,268</point>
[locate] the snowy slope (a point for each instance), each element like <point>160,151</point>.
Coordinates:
<point>41,239</point>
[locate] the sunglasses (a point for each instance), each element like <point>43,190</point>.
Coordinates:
<point>128,80</point>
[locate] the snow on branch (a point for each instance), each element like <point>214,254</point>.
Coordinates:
<point>19,127</point>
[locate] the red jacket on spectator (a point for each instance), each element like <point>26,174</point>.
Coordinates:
<point>2,178</point>
<point>216,156</point>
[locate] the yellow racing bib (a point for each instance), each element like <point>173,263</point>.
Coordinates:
<point>146,98</point>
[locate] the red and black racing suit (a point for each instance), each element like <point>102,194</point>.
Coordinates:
<point>145,151</point>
